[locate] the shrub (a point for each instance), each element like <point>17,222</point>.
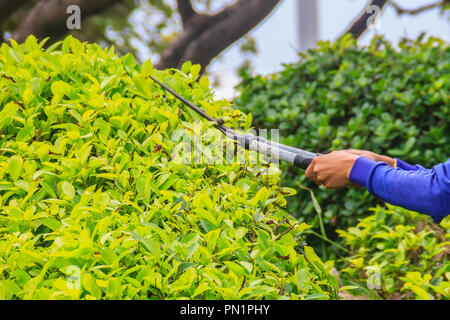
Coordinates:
<point>339,95</point>
<point>93,205</point>
<point>398,254</point>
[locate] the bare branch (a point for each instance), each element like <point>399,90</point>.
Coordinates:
<point>186,10</point>
<point>206,36</point>
<point>172,56</point>
<point>48,17</point>
<point>401,10</point>
<point>360,25</point>
<point>9,6</point>
<point>287,231</point>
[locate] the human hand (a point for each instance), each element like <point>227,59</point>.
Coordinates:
<point>373,156</point>
<point>332,170</point>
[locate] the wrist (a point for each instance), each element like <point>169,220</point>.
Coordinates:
<point>350,163</point>
<point>390,161</point>
<point>361,169</point>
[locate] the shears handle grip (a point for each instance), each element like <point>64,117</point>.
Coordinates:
<point>303,162</point>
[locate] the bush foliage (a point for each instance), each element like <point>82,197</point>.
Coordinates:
<point>340,95</point>
<point>93,205</point>
<point>398,254</point>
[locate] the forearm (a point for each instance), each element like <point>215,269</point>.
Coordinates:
<point>412,187</point>
<point>393,162</point>
<point>406,166</point>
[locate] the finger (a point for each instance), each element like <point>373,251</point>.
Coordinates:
<point>309,173</point>
<point>320,180</point>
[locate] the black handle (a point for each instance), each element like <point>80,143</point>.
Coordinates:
<point>303,162</point>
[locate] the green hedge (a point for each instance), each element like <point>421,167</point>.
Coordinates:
<point>393,101</point>
<point>94,203</point>
<point>397,254</point>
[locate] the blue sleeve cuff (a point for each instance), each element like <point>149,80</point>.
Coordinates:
<point>405,166</point>
<point>362,171</point>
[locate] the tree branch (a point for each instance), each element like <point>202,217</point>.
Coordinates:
<point>171,57</point>
<point>206,36</point>
<point>186,10</point>
<point>401,10</point>
<point>9,6</point>
<point>360,25</point>
<point>48,17</point>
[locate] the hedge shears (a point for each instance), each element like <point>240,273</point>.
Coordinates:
<point>298,157</point>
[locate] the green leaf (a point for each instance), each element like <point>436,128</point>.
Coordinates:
<point>108,256</point>
<point>186,67</point>
<point>147,68</point>
<point>26,133</point>
<point>151,245</point>
<point>421,293</point>
<point>312,256</point>
<point>91,286</point>
<point>192,249</point>
<point>6,115</point>
<point>5,185</point>
<point>15,164</point>
<point>212,237</point>
<point>195,70</point>
<point>261,196</point>
<point>60,88</point>
<point>52,223</point>
<point>235,268</point>
<point>248,122</point>
<point>303,279</point>
<point>28,95</point>
<point>68,189</point>
<point>142,86</point>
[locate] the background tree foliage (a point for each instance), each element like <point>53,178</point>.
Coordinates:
<point>171,32</point>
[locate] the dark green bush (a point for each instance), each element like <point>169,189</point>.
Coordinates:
<point>387,100</point>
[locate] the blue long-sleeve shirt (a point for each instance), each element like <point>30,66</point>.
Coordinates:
<point>409,186</point>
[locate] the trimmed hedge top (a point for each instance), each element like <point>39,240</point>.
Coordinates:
<point>94,205</point>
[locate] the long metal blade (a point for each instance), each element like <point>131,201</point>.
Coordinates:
<point>249,142</point>
<point>188,103</point>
